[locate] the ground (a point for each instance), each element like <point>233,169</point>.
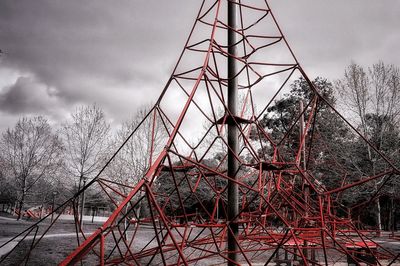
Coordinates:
<point>50,251</point>
<point>61,240</point>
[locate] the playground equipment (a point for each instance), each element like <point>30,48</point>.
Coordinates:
<point>224,187</point>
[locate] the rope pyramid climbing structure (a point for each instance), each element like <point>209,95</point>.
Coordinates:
<point>227,181</point>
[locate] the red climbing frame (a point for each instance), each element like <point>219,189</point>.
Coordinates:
<point>176,214</point>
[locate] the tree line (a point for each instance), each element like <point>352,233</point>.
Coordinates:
<point>338,156</point>
<point>38,162</point>
<point>369,98</point>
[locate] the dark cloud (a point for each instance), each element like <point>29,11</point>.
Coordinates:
<point>81,49</point>
<point>119,54</point>
<point>27,96</point>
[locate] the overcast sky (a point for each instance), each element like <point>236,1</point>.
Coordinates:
<point>58,54</point>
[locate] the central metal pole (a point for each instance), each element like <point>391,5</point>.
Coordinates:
<point>233,164</point>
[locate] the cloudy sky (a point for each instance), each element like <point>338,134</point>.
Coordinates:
<point>59,54</point>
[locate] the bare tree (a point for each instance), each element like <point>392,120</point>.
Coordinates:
<point>373,97</point>
<point>30,152</point>
<point>354,92</point>
<point>374,92</point>
<point>86,137</point>
<point>141,149</point>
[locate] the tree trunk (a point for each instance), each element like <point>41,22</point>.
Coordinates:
<point>21,205</point>
<point>15,207</point>
<point>22,201</point>
<point>392,222</point>
<point>378,215</point>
